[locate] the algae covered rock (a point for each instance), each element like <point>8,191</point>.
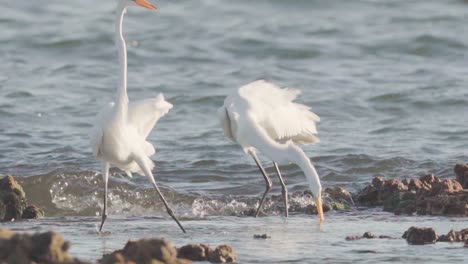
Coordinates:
<point>13,205</point>
<point>32,212</point>
<point>420,236</point>
<point>12,199</point>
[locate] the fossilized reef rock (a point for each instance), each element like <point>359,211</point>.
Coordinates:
<point>426,195</point>
<point>46,247</point>
<point>156,250</point>
<point>13,203</point>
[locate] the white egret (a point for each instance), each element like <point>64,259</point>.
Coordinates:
<point>262,117</point>
<point>119,136</point>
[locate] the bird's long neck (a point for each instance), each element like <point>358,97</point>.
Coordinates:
<point>122,96</point>
<point>297,155</point>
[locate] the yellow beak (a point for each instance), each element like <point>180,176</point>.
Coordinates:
<point>318,204</point>
<point>145,4</point>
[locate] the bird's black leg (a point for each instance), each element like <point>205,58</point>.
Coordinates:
<point>143,163</point>
<point>269,184</point>
<point>105,178</point>
<point>284,190</point>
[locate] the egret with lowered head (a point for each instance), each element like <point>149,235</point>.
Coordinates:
<point>262,117</point>
<point>119,136</point>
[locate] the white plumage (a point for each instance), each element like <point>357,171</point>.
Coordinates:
<point>261,116</point>
<point>119,135</point>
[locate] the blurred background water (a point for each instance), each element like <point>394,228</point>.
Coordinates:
<point>388,78</point>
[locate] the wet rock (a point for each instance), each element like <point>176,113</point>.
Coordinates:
<point>461,170</point>
<point>405,182</point>
<point>194,252</point>
<point>454,236</point>
<point>339,194</point>
<point>446,186</point>
<point>417,184</point>
<point>38,248</point>
<point>352,238</point>
<point>156,250</point>
<point>371,194</point>
<point>430,179</point>
<point>369,235</point>
<point>12,199</point>
<point>147,250</point>
<point>264,236</point>
<point>380,190</point>
<point>447,204</point>
<point>32,212</point>
<point>223,254</point>
<point>420,236</point>
<point>391,187</point>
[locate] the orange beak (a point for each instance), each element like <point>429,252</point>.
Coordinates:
<point>145,4</point>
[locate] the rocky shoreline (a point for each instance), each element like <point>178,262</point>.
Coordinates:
<point>426,195</point>
<point>421,236</point>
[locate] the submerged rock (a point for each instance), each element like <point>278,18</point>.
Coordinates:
<point>420,236</point>
<point>264,236</point>
<point>367,235</point>
<point>46,247</point>
<point>13,205</point>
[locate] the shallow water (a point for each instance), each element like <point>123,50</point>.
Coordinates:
<point>299,239</point>
<point>388,78</point>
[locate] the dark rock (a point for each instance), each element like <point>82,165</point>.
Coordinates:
<point>385,237</point>
<point>369,235</point>
<point>13,204</point>
<point>420,236</point>
<point>147,250</point>
<point>339,194</point>
<point>194,252</point>
<point>32,212</point>
<point>378,182</point>
<point>461,170</point>
<point>12,199</point>
<point>223,254</point>
<point>454,236</point>
<point>447,204</point>
<point>264,236</point>
<point>38,248</point>
<point>370,195</point>
<point>406,182</point>
<point>351,238</point>
<point>391,202</point>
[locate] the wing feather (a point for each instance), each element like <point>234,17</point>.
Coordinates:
<point>275,111</point>
<point>145,113</point>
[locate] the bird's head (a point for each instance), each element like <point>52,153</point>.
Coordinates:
<point>142,3</point>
